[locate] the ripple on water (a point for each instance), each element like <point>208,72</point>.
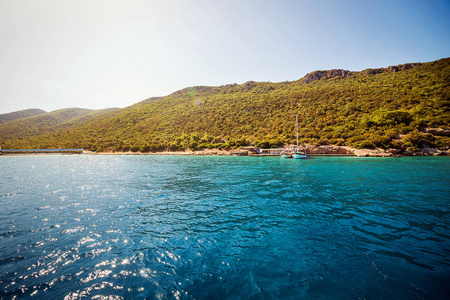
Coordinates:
<point>150,227</point>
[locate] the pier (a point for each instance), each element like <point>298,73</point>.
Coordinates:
<point>40,151</point>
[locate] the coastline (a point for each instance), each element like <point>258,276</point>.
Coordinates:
<point>310,149</point>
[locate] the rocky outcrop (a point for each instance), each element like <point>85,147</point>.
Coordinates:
<point>372,71</point>
<point>438,131</point>
<point>390,69</point>
<point>317,75</point>
<point>403,67</point>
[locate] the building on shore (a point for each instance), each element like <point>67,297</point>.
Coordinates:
<point>271,151</point>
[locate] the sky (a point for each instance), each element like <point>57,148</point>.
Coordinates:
<point>101,54</point>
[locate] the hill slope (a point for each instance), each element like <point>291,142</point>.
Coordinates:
<point>21,114</point>
<point>386,107</point>
<point>45,123</point>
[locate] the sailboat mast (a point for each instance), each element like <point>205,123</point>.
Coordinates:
<point>296,122</point>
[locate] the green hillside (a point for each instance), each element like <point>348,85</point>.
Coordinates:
<point>20,114</point>
<point>387,107</point>
<point>45,123</point>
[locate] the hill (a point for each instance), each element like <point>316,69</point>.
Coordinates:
<point>45,123</point>
<point>404,106</point>
<point>21,114</point>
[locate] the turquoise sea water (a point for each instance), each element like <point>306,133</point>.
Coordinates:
<point>170,227</point>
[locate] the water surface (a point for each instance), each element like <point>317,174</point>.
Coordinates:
<point>170,227</point>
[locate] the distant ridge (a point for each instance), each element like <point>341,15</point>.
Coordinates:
<point>43,123</point>
<point>21,114</point>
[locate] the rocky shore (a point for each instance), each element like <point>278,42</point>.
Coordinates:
<point>310,150</point>
<point>376,152</point>
<point>399,152</point>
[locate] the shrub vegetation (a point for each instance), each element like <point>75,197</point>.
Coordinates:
<point>388,107</point>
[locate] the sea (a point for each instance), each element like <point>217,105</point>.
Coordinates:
<point>222,227</point>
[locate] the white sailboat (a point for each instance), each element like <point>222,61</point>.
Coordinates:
<point>286,154</point>
<point>297,154</point>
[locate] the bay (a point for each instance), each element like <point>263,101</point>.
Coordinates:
<point>187,227</point>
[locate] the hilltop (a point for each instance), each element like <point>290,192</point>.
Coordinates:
<point>21,114</point>
<point>403,107</point>
<point>34,123</point>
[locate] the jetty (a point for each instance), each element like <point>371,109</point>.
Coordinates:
<point>39,151</point>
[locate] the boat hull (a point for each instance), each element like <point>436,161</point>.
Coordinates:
<point>298,156</point>
<point>286,156</point>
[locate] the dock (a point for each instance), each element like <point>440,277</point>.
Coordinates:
<point>39,151</point>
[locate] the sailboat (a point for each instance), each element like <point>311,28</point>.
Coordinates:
<point>297,154</point>
<point>286,154</point>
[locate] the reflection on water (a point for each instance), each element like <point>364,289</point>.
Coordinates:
<point>156,227</point>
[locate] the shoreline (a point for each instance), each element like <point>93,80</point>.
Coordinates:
<point>336,151</point>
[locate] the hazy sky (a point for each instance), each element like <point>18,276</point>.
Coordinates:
<point>97,54</point>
